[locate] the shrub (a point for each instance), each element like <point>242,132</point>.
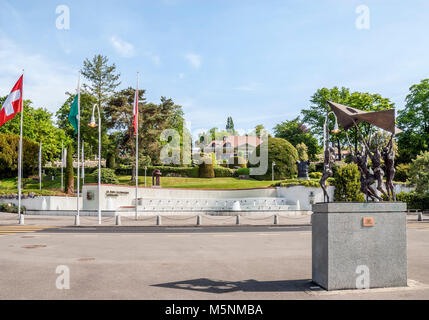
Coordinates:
<point>315,175</point>
<point>10,208</point>
<point>243,172</point>
<point>108,176</point>
<point>419,173</point>
<point>9,148</point>
<point>414,201</point>
<point>190,172</point>
<point>206,168</point>
<point>237,161</point>
<point>221,172</point>
<point>284,155</point>
<point>297,182</point>
<point>347,184</point>
<point>402,172</point>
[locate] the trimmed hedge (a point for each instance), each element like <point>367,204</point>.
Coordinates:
<point>315,175</point>
<point>221,172</point>
<point>414,201</point>
<point>297,182</point>
<point>187,172</point>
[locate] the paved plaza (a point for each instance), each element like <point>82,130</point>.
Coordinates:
<point>135,262</point>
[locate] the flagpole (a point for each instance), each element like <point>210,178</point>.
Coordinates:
<point>40,166</point>
<point>137,147</point>
<point>83,163</point>
<point>20,215</point>
<point>77,219</point>
<point>62,165</point>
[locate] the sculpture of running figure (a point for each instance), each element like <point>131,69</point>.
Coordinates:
<point>376,166</point>
<point>389,161</point>
<point>366,178</point>
<point>327,172</point>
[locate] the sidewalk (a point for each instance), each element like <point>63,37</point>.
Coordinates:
<point>206,220</point>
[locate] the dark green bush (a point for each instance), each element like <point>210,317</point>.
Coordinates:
<point>347,184</point>
<point>187,172</point>
<point>9,147</point>
<point>284,155</point>
<point>243,172</point>
<point>108,176</point>
<point>414,201</point>
<point>10,208</point>
<point>221,172</point>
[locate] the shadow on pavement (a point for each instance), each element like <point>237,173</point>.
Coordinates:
<point>216,286</point>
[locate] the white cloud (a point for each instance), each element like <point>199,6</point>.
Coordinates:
<point>45,80</point>
<point>194,60</point>
<point>122,47</point>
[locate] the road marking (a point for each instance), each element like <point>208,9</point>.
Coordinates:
<point>14,230</point>
<point>268,234</point>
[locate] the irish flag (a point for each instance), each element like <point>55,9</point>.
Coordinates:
<point>13,104</point>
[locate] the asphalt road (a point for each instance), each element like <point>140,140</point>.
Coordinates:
<point>243,263</point>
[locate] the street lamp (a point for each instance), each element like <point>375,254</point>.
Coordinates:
<point>326,128</point>
<point>93,124</point>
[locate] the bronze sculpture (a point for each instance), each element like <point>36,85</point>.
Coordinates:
<point>348,118</point>
<point>327,172</point>
<point>388,155</point>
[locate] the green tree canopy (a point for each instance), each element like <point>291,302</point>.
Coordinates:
<point>295,132</point>
<point>102,77</point>
<point>284,154</point>
<point>38,126</point>
<point>314,116</point>
<point>414,120</point>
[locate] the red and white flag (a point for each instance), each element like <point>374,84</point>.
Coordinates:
<point>13,104</point>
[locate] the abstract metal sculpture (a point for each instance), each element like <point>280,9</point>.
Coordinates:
<point>349,117</point>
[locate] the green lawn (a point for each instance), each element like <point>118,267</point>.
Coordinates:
<point>49,187</point>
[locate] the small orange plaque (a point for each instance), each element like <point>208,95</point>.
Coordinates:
<point>368,222</point>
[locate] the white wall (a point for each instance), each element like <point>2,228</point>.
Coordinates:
<point>47,203</point>
<point>302,194</point>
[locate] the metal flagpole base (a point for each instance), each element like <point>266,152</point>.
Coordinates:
<point>118,220</point>
<point>77,221</point>
<point>21,220</point>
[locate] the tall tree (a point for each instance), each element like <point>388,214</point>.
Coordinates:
<point>315,115</point>
<point>69,175</point>
<point>102,77</point>
<point>296,133</point>
<point>258,129</point>
<point>230,126</point>
<point>414,120</point>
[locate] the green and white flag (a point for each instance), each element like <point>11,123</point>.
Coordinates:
<point>74,113</point>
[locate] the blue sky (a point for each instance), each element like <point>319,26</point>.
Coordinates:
<point>257,61</point>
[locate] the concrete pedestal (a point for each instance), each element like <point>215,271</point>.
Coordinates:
<point>359,245</point>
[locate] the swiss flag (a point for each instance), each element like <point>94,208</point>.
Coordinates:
<point>13,103</point>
